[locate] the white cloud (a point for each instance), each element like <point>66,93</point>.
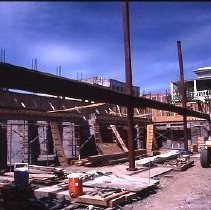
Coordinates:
<point>57,53</point>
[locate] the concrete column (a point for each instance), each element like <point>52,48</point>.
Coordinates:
<point>195,87</point>
<point>172,91</point>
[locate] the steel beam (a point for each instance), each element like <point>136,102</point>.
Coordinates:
<point>15,77</point>
<point>182,93</point>
<point>128,89</point>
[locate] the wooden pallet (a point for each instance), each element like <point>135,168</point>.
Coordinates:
<point>110,201</point>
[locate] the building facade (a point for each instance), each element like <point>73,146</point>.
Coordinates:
<point>111,84</point>
<point>198,89</point>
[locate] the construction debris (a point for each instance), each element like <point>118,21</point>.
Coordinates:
<point>98,160</point>
<point>101,189</point>
<point>182,163</point>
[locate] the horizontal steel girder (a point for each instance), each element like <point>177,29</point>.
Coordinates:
<point>21,78</point>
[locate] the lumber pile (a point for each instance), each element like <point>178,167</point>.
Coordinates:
<point>100,189</point>
<point>46,169</point>
<point>109,159</point>
<point>111,199</point>
<point>182,163</point>
<point>42,175</point>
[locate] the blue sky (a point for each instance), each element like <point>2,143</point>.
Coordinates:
<point>87,37</point>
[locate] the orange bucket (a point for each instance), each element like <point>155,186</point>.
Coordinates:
<point>75,185</point>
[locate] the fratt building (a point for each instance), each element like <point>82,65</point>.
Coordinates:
<point>198,89</point>
<point>111,84</point>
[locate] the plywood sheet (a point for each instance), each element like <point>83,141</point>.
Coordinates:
<point>130,184</point>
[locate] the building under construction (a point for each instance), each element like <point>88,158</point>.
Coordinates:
<point>36,128</point>
<point>48,120</point>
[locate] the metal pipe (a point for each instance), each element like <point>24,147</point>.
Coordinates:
<point>128,89</point>
<point>183,93</point>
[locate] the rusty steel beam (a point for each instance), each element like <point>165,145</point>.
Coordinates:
<point>20,78</point>
<point>183,93</point>
<point>128,85</point>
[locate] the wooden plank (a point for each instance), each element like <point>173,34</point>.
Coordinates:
<point>31,176</point>
<point>118,137</point>
<point>108,148</point>
<point>64,193</point>
<point>129,196</point>
<point>176,118</point>
<point>102,159</point>
<point>149,161</point>
<point>155,171</point>
<point>126,197</point>
<point>150,137</point>
<point>46,191</point>
<point>116,199</point>
<point>109,201</point>
<point>77,108</point>
<point>93,200</point>
<point>58,144</point>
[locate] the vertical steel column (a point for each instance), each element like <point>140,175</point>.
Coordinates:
<point>182,93</point>
<point>128,89</point>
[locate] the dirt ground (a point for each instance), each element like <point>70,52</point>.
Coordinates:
<point>186,190</point>
<point>190,189</point>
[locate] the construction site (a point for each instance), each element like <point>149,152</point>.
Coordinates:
<point>98,143</point>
